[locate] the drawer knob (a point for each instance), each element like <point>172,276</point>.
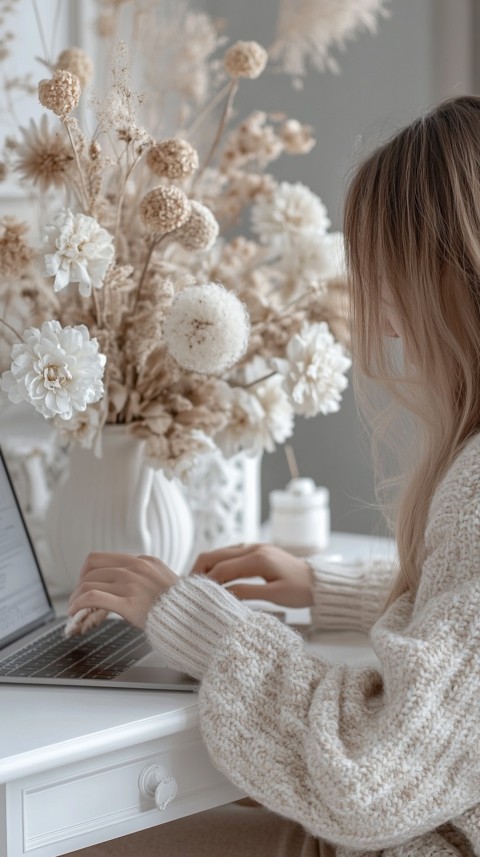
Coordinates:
<point>155,781</point>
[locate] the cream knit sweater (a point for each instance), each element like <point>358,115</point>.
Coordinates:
<point>374,761</point>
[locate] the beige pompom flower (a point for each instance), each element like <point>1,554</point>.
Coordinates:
<point>77,62</point>
<point>207,329</point>
<point>245,59</point>
<point>61,93</point>
<point>172,158</point>
<point>200,231</point>
<point>164,209</point>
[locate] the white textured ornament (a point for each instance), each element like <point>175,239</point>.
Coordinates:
<point>225,497</point>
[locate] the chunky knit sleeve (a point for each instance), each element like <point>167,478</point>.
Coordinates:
<point>349,596</point>
<point>362,757</point>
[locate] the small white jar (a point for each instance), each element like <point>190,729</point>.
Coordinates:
<point>300,517</point>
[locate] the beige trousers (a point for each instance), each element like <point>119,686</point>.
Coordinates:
<point>235,830</point>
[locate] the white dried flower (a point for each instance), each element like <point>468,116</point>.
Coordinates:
<point>313,373</point>
<point>80,251</point>
<point>279,418</point>
<point>297,138</point>
<point>207,329</point>
<point>289,210</point>
<point>245,59</point>
<point>57,370</point>
<point>310,259</point>
<point>259,418</point>
<point>200,231</point>
<point>244,425</point>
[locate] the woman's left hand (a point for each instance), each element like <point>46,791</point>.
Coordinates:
<point>121,583</point>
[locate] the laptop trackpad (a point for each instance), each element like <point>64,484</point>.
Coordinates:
<point>152,670</point>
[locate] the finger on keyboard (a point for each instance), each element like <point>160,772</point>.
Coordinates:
<point>84,620</point>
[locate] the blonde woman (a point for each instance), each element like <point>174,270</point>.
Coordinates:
<point>354,759</point>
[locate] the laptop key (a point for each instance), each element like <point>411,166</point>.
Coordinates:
<point>107,651</point>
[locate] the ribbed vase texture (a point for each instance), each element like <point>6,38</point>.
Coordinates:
<point>115,503</point>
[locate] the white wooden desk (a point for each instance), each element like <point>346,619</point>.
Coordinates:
<point>70,759</point>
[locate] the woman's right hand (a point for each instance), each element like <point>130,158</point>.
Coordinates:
<point>288,579</point>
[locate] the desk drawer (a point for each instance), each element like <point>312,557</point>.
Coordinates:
<point>98,799</point>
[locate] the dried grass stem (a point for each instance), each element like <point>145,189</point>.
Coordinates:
<point>232,90</point>
<point>207,109</point>
<point>79,166</point>
<point>154,243</point>
<point>12,329</point>
<point>258,380</point>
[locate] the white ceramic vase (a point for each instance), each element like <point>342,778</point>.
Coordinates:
<point>115,503</point>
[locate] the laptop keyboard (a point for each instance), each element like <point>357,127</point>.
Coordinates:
<point>102,653</point>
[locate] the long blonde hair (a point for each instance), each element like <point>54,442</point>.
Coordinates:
<point>412,227</point>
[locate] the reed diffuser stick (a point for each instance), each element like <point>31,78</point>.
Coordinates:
<point>292,462</point>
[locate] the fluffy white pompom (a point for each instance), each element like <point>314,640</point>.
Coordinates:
<point>207,329</point>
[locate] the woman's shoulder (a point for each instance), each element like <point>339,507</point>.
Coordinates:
<point>464,472</point>
<point>458,493</point>
<point>452,536</point>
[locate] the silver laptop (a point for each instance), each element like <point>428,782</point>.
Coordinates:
<point>33,646</point>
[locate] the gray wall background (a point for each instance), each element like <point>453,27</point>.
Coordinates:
<point>421,53</point>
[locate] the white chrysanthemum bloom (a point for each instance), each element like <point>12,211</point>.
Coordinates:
<point>311,259</point>
<point>245,425</point>
<point>260,418</point>
<point>290,209</point>
<point>57,370</point>
<point>207,329</point>
<point>80,251</point>
<point>313,373</point>
<point>279,415</point>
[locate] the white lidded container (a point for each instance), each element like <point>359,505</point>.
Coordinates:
<point>300,517</point>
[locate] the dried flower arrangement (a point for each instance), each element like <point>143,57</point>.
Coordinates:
<point>145,307</point>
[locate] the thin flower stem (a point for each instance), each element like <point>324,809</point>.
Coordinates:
<point>121,198</point>
<point>56,22</point>
<point>12,329</point>
<point>41,31</point>
<point>284,311</point>
<point>232,89</point>
<point>79,166</point>
<point>98,310</point>
<point>258,380</point>
<point>155,243</point>
<point>207,109</point>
